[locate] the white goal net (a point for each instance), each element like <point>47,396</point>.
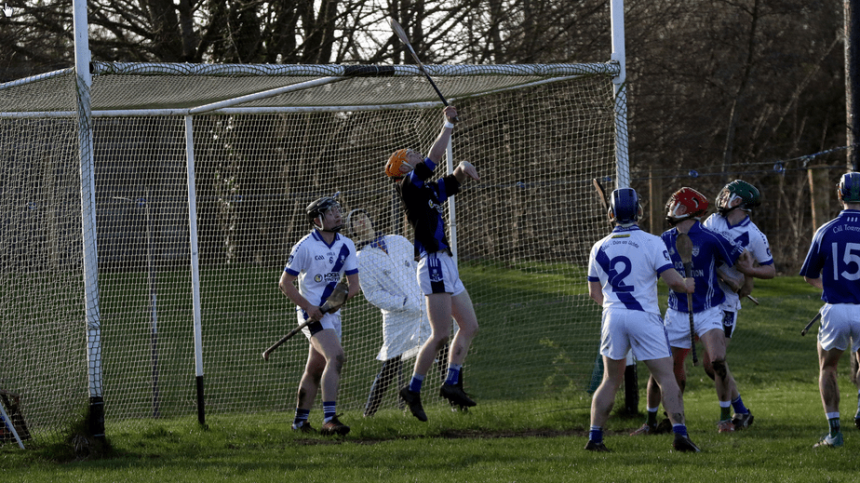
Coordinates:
<point>265,142</point>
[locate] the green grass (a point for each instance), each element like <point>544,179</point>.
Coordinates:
<point>509,439</point>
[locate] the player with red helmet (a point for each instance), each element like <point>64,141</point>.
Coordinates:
<point>684,210</point>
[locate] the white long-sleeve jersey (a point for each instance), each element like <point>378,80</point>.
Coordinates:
<point>388,280</point>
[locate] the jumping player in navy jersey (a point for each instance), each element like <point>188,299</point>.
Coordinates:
<point>685,209</point>
<point>622,277</point>
<point>735,203</point>
<point>437,271</point>
<point>833,265</point>
<point>318,261</point>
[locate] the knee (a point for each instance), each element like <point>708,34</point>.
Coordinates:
<point>470,330</point>
<point>338,359</point>
<point>720,368</point>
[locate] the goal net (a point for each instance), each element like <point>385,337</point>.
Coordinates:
<point>175,251</point>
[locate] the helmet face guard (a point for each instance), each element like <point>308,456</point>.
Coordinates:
<point>848,189</point>
<point>317,210</point>
<point>686,203</point>
<point>350,219</point>
<point>738,190</point>
<point>624,206</point>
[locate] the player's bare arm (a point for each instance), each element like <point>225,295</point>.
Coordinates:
<point>678,283</point>
<point>465,170</point>
<point>595,291</point>
<point>441,143</point>
<point>289,289</point>
<point>354,288</point>
<point>815,282</point>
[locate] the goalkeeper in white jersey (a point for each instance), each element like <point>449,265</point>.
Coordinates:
<point>622,277</point>
<point>735,203</point>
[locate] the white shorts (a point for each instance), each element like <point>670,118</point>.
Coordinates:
<point>678,325</point>
<point>437,273</point>
<point>839,322</point>
<point>623,329</point>
<point>329,321</point>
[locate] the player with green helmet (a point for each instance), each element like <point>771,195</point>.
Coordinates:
<point>735,202</point>
<point>749,197</point>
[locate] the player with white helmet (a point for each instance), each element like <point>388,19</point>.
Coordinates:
<point>735,203</point>
<point>832,266</point>
<point>622,277</point>
<point>684,210</point>
<point>318,261</point>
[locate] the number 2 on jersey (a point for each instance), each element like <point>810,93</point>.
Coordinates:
<point>616,278</point>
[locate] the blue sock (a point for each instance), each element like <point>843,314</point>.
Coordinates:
<point>416,382</point>
<point>679,429</point>
<point>596,434</point>
<point>301,416</point>
<point>453,374</point>
<point>328,410</point>
<point>739,407</point>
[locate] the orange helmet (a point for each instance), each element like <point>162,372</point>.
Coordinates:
<point>392,167</point>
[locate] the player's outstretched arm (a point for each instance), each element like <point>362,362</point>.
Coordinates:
<point>678,283</point>
<point>440,145</point>
<point>464,171</point>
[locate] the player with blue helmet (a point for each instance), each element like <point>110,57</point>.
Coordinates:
<point>622,277</point>
<point>833,266</point>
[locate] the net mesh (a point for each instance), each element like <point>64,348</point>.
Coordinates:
<point>524,233</point>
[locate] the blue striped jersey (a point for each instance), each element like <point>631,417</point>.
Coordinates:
<point>627,264</point>
<point>709,250</point>
<point>319,266</point>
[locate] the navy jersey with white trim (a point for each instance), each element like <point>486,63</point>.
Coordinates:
<point>423,201</point>
<point>834,255</point>
<point>709,249</point>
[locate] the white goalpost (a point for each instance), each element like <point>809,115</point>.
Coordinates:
<point>123,181</point>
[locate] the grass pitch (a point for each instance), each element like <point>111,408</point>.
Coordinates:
<point>509,440</point>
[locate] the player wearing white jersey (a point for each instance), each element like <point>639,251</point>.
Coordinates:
<point>735,203</point>
<point>832,266</point>
<point>388,281</point>
<point>622,277</point>
<point>319,261</point>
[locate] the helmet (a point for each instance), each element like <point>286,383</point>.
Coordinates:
<point>848,189</point>
<point>738,189</point>
<point>392,167</point>
<point>319,208</point>
<point>349,220</point>
<point>685,203</point>
<point>624,206</point>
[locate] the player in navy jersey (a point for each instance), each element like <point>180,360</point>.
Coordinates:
<point>833,265</point>
<point>735,203</point>
<point>623,269</point>
<point>319,261</point>
<point>685,209</point>
<point>437,271</point>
